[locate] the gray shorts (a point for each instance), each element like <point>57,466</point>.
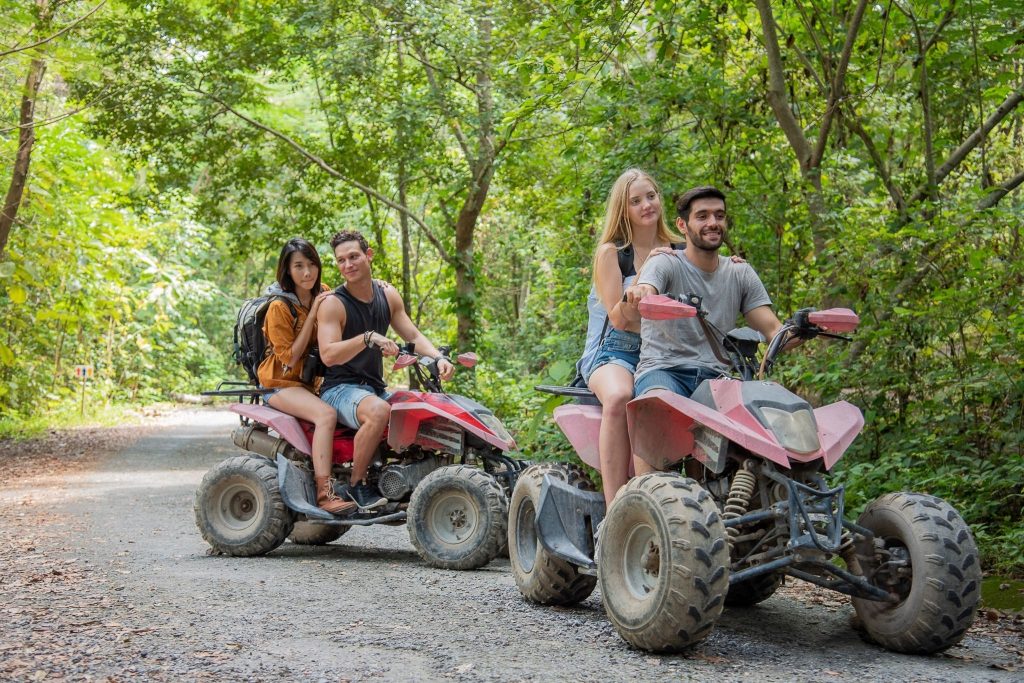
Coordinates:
<point>345,399</point>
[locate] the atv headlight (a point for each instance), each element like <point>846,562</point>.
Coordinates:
<point>494,424</point>
<point>796,431</point>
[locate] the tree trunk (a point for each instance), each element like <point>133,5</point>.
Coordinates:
<point>26,139</point>
<point>483,171</point>
<point>465,273</point>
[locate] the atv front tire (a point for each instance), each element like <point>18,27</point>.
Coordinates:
<point>457,518</point>
<point>310,533</point>
<point>239,510</point>
<point>542,577</point>
<point>939,583</point>
<point>663,563</point>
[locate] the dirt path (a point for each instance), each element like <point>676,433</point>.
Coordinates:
<point>105,577</point>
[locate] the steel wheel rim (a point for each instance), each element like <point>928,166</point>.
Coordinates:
<point>453,518</point>
<point>641,561</point>
<point>238,507</point>
<point>526,535</point>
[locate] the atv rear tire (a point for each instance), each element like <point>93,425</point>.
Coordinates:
<point>943,585</point>
<point>663,563</point>
<point>239,510</point>
<point>540,576</point>
<point>753,591</point>
<point>457,518</point>
<point>310,533</point>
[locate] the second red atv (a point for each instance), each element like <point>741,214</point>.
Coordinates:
<point>744,503</point>
<point>445,465</point>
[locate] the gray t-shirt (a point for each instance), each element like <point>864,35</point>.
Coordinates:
<point>733,288</point>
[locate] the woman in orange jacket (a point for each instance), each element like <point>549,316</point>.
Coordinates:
<point>290,332</point>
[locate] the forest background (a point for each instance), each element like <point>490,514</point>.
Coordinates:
<point>155,156</point>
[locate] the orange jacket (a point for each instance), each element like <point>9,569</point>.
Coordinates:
<point>280,330</point>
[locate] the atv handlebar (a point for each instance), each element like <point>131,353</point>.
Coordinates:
<point>806,323</point>
<point>407,357</point>
<point>661,307</point>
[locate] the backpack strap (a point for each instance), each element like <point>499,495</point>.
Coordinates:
<point>625,255</point>
<point>295,321</point>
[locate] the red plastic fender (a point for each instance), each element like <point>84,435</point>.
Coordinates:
<point>661,429</point>
<point>581,426</point>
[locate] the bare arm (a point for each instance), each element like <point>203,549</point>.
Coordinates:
<point>608,285</point>
<point>330,321</point>
<point>407,330</point>
<point>764,320</point>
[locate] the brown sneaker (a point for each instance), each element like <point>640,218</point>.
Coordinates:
<point>327,499</point>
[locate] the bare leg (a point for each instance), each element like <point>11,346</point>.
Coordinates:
<point>641,466</point>
<point>302,404</point>
<point>373,414</point>
<point>613,386</point>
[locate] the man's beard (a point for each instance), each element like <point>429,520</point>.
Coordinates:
<point>694,239</point>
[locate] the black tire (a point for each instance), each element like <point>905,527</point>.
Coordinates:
<point>753,591</point>
<point>942,588</point>
<point>663,563</point>
<point>239,510</point>
<point>457,518</point>
<point>541,577</point>
<point>310,533</point>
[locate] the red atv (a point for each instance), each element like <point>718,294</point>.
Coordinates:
<point>750,506</point>
<point>444,465</point>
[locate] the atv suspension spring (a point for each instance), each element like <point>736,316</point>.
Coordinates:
<point>738,501</point>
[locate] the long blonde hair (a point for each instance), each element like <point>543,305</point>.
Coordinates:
<point>616,218</point>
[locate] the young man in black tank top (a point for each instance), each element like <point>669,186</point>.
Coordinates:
<point>352,336</point>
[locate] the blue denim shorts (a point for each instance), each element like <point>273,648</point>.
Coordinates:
<point>345,399</point>
<point>682,379</point>
<point>618,348</point>
<point>267,393</point>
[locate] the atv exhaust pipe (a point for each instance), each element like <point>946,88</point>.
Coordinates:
<point>256,439</point>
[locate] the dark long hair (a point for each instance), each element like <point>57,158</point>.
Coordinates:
<point>284,275</point>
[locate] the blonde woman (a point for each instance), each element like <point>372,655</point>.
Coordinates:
<point>634,225</point>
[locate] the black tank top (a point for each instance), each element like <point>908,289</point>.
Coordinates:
<point>368,365</point>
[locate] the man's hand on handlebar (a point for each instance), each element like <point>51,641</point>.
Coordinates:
<point>386,346</point>
<point>445,369</point>
<point>634,293</point>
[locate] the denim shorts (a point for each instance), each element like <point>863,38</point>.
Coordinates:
<point>618,348</point>
<point>682,379</point>
<point>267,393</point>
<point>345,399</point>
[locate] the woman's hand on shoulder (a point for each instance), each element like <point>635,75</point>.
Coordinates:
<point>385,284</point>
<point>736,258</point>
<point>317,300</point>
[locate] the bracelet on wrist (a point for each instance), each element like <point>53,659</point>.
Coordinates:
<point>368,339</point>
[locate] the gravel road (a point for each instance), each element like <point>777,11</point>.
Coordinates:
<point>106,578</point>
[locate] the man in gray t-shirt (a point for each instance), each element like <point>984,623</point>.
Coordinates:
<point>675,354</point>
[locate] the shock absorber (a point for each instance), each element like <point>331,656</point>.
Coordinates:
<point>738,502</point>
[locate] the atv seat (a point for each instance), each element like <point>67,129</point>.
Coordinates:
<point>581,395</point>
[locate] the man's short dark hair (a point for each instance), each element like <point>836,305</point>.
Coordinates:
<point>350,236</point>
<point>686,199</point>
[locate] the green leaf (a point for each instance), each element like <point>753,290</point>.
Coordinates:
<point>18,294</point>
